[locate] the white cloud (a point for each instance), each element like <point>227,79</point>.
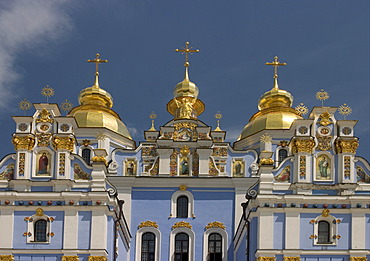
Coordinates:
<point>26,24</point>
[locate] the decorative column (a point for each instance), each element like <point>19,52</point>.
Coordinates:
<point>99,170</point>
<point>70,228</point>
<point>204,156</point>
<point>23,145</point>
<point>164,161</point>
<point>346,150</point>
<point>302,150</point>
<point>6,228</point>
<point>63,146</point>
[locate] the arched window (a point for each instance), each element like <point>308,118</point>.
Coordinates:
<point>181,247</point>
<point>214,247</point>
<point>40,231</point>
<point>86,155</point>
<point>283,153</point>
<point>148,247</point>
<point>324,232</point>
<point>182,207</point>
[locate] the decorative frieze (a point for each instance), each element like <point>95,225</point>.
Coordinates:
<point>70,258</point>
<point>215,224</point>
<point>62,163</point>
<point>63,143</point>
<point>212,168</point>
<point>347,167</point>
<point>357,258</point>
<point>303,145</point>
<point>97,258</point>
<point>11,258</point>
<point>21,163</point>
<point>324,142</point>
<point>23,142</point>
<point>292,258</point>
<point>346,146</point>
<point>302,167</point>
<point>182,224</point>
<point>148,224</point>
<point>43,139</point>
<point>266,258</point>
<point>173,163</point>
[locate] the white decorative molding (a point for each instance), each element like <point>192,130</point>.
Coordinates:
<point>190,203</point>
<point>223,234</point>
<point>191,235</point>
<point>139,235</point>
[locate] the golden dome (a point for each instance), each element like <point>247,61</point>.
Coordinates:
<point>274,113</point>
<point>186,88</point>
<point>95,110</point>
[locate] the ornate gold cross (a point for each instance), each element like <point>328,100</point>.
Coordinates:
<point>97,60</point>
<point>276,64</point>
<point>186,51</point>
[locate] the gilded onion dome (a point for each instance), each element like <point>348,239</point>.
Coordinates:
<point>275,111</point>
<point>95,108</point>
<point>185,104</point>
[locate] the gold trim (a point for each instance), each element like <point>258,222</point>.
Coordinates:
<point>23,142</point>
<point>97,258</point>
<point>148,224</point>
<point>357,258</point>
<point>292,258</point>
<point>325,212</point>
<point>266,258</point>
<point>215,224</point>
<point>266,161</point>
<point>63,143</point>
<point>11,258</point>
<point>183,187</point>
<point>70,258</point>
<point>346,146</point>
<point>182,224</point>
<point>99,159</point>
<point>303,145</point>
<point>39,212</point>
<point>44,117</point>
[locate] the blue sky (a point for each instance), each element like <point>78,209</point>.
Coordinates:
<point>324,43</point>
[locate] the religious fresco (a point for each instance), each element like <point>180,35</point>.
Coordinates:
<point>284,175</point>
<point>130,167</point>
<point>362,176</point>
<point>43,163</point>
<point>323,168</point>
<point>8,173</point>
<point>238,168</point>
<point>79,173</point>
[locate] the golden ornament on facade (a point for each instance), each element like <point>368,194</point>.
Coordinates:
<point>66,105</point>
<point>11,258</point>
<point>97,258</point>
<point>24,105</point>
<point>99,159</point>
<point>215,224</point>
<point>303,145</point>
<point>301,109</point>
<point>185,151</point>
<point>266,258</point>
<point>324,119</point>
<point>44,117</point>
<point>325,212</point>
<point>70,258</point>
<point>344,110</point>
<point>324,142</point>
<point>265,138</point>
<point>183,187</point>
<point>357,258</point>
<point>148,224</point>
<point>23,142</point>
<point>292,258</point>
<point>346,146</point>
<point>47,92</point>
<point>266,161</point>
<point>43,139</point>
<point>39,212</point>
<point>63,143</point>
<point>153,116</point>
<point>322,96</point>
<point>182,224</point>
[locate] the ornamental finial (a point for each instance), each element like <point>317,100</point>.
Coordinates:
<point>187,50</point>
<point>276,64</point>
<point>97,60</point>
<point>345,110</point>
<point>218,116</point>
<point>322,96</point>
<point>152,116</point>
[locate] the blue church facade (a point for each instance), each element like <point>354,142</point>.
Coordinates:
<point>78,187</point>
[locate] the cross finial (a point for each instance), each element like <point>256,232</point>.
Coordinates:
<point>97,60</point>
<point>187,51</point>
<point>276,64</point>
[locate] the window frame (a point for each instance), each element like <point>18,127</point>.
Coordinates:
<point>139,237</point>
<point>174,198</point>
<point>191,235</point>
<point>333,230</point>
<point>223,234</point>
<point>277,156</point>
<point>31,233</point>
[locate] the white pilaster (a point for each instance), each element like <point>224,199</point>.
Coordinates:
<point>266,229</point>
<point>70,238</point>
<point>204,155</point>
<point>6,228</point>
<point>164,161</point>
<point>99,229</point>
<point>358,230</point>
<point>292,230</point>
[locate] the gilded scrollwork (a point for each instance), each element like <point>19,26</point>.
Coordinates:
<point>70,258</point>
<point>44,117</point>
<point>325,119</point>
<point>266,258</point>
<point>357,258</point>
<point>148,224</point>
<point>11,258</point>
<point>23,142</point>
<point>43,139</point>
<point>346,146</point>
<point>324,142</point>
<point>212,168</point>
<point>303,145</point>
<point>97,258</point>
<point>182,224</point>
<point>99,159</point>
<point>63,143</point>
<point>292,258</point>
<point>266,161</point>
<point>215,224</point>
